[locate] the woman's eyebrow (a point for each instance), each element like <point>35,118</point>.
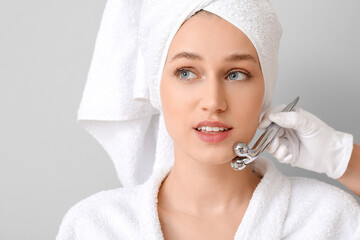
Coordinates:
<point>232,57</point>
<point>188,55</point>
<point>240,57</point>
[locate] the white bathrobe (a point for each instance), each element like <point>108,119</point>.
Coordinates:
<point>281,208</point>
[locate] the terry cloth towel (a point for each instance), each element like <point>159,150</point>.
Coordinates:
<point>281,208</point>
<point>121,105</point>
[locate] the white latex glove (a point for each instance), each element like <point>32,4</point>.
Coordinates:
<point>307,142</point>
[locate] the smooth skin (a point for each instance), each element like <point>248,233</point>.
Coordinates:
<point>203,197</point>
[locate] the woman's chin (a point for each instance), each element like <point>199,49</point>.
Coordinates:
<point>215,159</point>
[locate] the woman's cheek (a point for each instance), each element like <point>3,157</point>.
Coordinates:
<point>171,107</point>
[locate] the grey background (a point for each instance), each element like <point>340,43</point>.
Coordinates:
<point>48,162</point>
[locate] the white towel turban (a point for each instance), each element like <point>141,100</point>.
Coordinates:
<point>121,104</point>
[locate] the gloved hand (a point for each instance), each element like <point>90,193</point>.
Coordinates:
<point>307,142</point>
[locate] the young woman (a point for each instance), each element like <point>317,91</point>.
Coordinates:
<point>216,80</point>
<point>216,84</point>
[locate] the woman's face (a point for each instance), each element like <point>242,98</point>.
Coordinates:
<point>211,80</point>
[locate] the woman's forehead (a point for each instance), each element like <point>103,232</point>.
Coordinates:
<point>209,35</point>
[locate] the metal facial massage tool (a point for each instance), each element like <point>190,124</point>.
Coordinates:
<point>245,155</point>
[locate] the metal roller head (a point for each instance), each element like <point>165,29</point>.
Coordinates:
<point>238,163</point>
<point>241,149</point>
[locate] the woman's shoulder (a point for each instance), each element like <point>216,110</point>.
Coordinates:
<point>312,186</point>
<point>95,216</point>
<point>310,189</point>
<point>316,207</point>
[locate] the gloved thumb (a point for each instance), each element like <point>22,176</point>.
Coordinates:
<point>265,121</point>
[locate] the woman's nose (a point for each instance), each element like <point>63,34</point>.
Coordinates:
<point>213,97</point>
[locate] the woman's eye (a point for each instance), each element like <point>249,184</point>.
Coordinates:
<point>185,74</point>
<point>237,76</point>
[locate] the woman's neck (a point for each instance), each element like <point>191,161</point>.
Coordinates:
<point>201,189</point>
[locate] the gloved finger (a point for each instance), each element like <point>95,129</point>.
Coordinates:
<point>281,133</point>
<point>288,159</point>
<point>271,115</point>
<point>283,149</point>
<point>280,153</point>
<point>273,145</point>
<point>265,121</point>
<point>294,120</point>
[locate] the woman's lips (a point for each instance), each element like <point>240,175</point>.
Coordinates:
<point>212,124</point>
<point>213,137</point>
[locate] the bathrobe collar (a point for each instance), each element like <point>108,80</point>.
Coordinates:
<point>264,217</point>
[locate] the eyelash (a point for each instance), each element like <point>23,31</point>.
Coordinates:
<point>178,71</point>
